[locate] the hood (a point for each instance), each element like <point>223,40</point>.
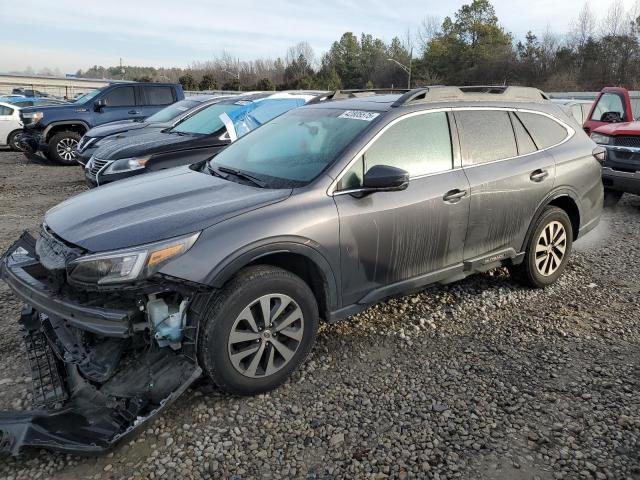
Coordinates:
<point>114,128</point>
<point>53,108</point>
<point>153,207</point>
<point>144,144</point>
<point>625,128</point>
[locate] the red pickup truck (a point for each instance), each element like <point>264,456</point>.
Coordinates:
<point>612,124</point>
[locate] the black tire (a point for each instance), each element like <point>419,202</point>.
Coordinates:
<point>12,141</point>
<point>611,198</point>
<point>222,313</point>
<point>58,140</point>
<point>528,272</point>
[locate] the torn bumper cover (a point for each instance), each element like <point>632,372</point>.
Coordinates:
<point>97,373</point>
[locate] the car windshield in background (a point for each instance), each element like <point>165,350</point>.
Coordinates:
<point>87,96</point>
<point>206,121</point>
<point>172,111</point>
<point>293,149</point>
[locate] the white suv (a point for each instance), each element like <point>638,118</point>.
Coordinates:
<point>10,125</point>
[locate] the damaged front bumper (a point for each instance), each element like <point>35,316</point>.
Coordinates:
<point>98,375</point>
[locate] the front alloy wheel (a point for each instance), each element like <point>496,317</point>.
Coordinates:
<point>257,329</point>
<point>266,335</point>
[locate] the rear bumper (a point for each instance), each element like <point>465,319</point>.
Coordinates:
<point>621,181</point>
<point>95,376</point>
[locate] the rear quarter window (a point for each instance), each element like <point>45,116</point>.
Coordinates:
<point>544,131</point>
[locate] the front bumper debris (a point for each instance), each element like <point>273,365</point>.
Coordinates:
<point>92,384</point>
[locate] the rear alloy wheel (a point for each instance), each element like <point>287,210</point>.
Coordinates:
<point>62,147</point>
<point>257,330</point>
<point>548,250</point>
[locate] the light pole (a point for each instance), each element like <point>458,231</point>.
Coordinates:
<point>404,67</point>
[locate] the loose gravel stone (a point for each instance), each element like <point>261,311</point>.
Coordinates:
<point>478,379</point>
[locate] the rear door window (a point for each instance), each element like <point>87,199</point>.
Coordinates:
<point>120,97</point>
<point>485,136</point>
<point>160,95</point>
<point>545,131</point>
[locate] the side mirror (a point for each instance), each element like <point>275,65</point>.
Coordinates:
<point>383,178</point>
<point>99,104</point>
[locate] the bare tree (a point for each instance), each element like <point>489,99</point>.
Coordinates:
<point>614,22</point>
<point>429,29</point>
<point>301,49</point>
<point>583,27</point>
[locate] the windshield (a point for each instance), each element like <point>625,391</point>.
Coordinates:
<point>87,96</point>
<point>205,121</point>
<point>296,147</point>
<point>172,111</point>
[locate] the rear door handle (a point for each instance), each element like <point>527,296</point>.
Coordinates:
<point>454,196</point>
<point>134,112</point>
<point>538,175</point>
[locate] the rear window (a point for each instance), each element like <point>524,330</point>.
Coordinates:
<point>485,136</point>
<point>545,132</point>
<point>120,97</point>
<point>158,95</point>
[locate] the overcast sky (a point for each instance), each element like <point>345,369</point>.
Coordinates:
<point>70,34</point>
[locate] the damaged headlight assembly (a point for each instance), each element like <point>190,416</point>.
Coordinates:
<point>127,165</point>
<point>128,265</point>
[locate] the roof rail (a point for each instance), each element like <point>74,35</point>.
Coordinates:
<point>470,93</point>
<point>354,93</point>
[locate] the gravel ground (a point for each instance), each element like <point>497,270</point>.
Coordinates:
<point>481,379</point>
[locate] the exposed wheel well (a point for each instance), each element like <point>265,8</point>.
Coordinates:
<point>307,270</point>
<point>67,127</point>
<point>567,204</point>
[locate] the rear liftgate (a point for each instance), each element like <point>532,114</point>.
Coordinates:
<point>86,398</point>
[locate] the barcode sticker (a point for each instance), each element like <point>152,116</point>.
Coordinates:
<point>359,115</point>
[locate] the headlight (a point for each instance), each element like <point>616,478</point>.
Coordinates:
<point>600,138</point>
<point>127,165</point>
<point>32,117</point>
<point>130,264</point>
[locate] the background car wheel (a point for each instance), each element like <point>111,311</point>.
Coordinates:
<point>12,141</point>
<point>62,147</point>
<point>611,198</point>
<point>548,250</point>
<point>258,330</point>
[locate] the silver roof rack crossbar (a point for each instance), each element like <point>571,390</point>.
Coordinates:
<point>471,93</point>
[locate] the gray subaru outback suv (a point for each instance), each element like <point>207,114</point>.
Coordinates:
<point>228,266</point>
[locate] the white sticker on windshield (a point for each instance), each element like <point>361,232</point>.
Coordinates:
<point>359,115</point>
<point>182,109</point>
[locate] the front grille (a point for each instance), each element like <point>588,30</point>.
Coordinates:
<point>627,142</point>
<point>95,165</point>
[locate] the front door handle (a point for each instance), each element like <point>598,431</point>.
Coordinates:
<point>454,196</point>
<point>538,175</point>
<point>134,112</point>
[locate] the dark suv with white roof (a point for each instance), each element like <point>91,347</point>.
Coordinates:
<point>228,266</point>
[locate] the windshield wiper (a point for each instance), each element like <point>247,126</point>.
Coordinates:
<point>241,174</point>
